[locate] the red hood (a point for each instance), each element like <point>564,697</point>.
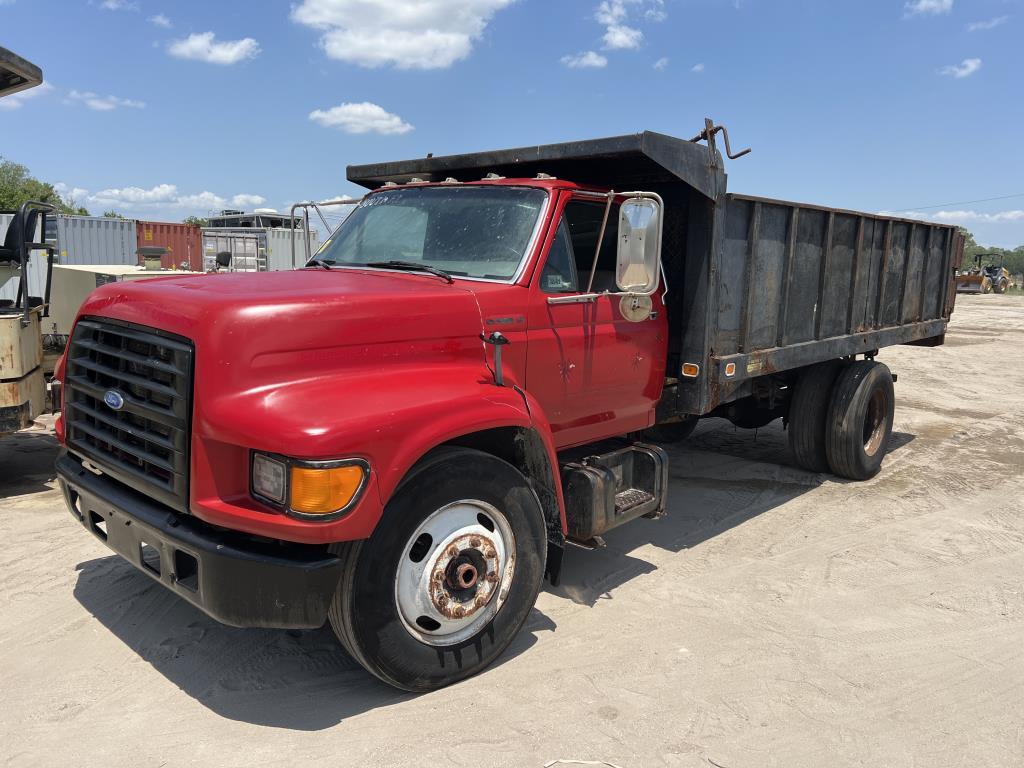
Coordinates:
<point>320,307</point>
<point>259,328</point>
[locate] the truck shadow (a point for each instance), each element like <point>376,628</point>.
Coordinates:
<point>27,462</point>
<point>719,478</point>
<point>300,680</point>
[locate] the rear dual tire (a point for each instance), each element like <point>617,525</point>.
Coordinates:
<point>841,418</point>
<point>860,419</point>
<point>808,410</point>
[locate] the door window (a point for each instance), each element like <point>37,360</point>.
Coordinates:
<point>575,242</point>
<point>559,274</point>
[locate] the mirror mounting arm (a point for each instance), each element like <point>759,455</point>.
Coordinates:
<point>600,240</point>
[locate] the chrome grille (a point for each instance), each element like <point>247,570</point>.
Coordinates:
<point>140,437</point>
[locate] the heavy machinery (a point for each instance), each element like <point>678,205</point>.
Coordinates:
<point>22,386</point>
<point>991,277</point>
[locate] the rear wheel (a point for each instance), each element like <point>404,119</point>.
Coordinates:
<point>808,409</point>
<point>860,418</point>
<point>449,575</point>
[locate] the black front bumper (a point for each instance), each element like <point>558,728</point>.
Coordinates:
<point>235,579</point>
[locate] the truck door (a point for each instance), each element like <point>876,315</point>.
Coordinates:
<point>595,373</point>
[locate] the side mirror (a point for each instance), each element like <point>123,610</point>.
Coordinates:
<point>224,259</point>
<point>639,249</point>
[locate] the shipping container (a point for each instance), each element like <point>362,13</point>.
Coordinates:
<point>256,250</point>
<point>182,241</point>
<point>279,248</point>
<point>95,240</point>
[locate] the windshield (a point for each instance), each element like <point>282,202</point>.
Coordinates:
<point>480,232</point>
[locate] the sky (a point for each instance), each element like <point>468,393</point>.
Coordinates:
<point>160,109</point>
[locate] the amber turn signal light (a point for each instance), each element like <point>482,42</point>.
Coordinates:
<point>324,490</point>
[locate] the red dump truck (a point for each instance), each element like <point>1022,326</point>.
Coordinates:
<point>471,373</point>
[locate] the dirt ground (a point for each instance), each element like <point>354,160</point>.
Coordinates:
<point>774,618</point>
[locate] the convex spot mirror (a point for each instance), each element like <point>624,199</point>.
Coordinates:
<point>639,248</point>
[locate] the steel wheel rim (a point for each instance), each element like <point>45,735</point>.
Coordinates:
<point>454,572</point>
<point>874,422</point>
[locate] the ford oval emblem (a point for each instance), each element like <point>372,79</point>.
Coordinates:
<point>113,399</point>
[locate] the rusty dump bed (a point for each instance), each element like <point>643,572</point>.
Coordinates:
<point>755,286</point>
<point>793,284</point>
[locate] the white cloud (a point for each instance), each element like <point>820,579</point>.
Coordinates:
<point>362,117</point>
<point>247,201</point>
<point>17,100</point>
<point>75,194</point>
<point>160,21</point>
<point>698,68</point>
<point>407,34</point>
<point>119,5</point>
<point>585,60</point>
<point>159,201</point>
<point>203,46</point>
<point>960,217</point>
<point>204,201</point>
<point>613,15</point>
<point>619,36</point>
<point>965,68</point>
<point>104,103</point>
<point>980,26</point>
<point>661,63</point>
<point>963,217</point>
<point>928,7</point>
<point>656,13</point>
<point>161,193</point>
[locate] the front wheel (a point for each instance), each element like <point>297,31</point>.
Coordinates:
<point>448,577</point>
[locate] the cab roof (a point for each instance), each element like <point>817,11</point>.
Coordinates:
<point>634,161</point>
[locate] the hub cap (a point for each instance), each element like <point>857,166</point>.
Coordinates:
<point>455,572</point>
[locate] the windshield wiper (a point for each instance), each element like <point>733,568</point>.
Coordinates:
<point>412,266</point>
<point>318,263</point>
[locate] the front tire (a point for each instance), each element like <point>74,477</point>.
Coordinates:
<point>448,577</point>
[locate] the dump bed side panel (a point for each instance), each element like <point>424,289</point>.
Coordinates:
<point>792,285</point>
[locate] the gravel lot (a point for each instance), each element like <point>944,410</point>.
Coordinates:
<point>774,618</point>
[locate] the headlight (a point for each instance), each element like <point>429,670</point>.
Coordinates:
<point>268,478</point>
<point>309,490</point>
